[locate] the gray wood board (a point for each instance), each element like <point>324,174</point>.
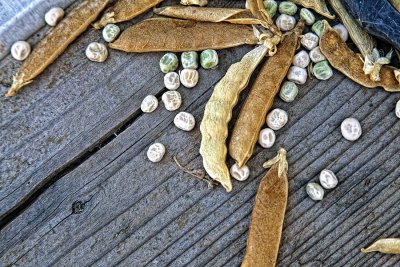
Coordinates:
<point>76,188</point>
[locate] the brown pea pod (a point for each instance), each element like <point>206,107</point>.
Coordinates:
<point>212,14</point>
<point>167,34</point>
<point>342,58</point>
<point>124,10</point>
<point>384,245</point>
<point>318,6</point>
<point>257,8</point>
<point>268,215</point>
<point>261,97</point>
<point>54,44</point>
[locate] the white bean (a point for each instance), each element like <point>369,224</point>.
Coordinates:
<point>156,152</point>
<point>309,40</point>
<point>267,138</point>
<point>297,75</point>
<point>97,52</point>
<point>189,77</point>
<point>172,100</point>
<point>344,34</point>
<point>277,118</point>
<point>171,81</point>
<point>351,129</point>
<point>301,59</point>
<point>20,50</point>
<point>316,55</point>
<point>285,22</point>
<point>149,104</point>
<point>315,191</point>
<point>240,174</point>
<point>398,109</point>
<point>184,121</point>
<point>54,16</point>
<point>328,179</point>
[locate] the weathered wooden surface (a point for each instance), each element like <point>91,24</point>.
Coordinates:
<point>77,136</point>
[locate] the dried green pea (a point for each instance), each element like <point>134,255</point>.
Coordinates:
<point>288,8</point>
<point>190,60</point>
<point>289,91</point>
<point>271,6</point>
<point>169,62</point>
<point>322,70</point>
<point>209,59</point>
<point>318,27</point>
<point>110,32</point>
<point>307,16</point>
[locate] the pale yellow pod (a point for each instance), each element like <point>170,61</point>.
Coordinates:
<point>318,6</point>
<point>218,112</point>
<point>384,245</point>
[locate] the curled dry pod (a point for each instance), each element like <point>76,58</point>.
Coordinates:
<point>218,112</point>
<point>212,14</point>
<point>260,98</point>
<point>257,8</point>
<point>268,215</point>
<point>342,58</point>
<point>56,42</point>
<point>385,245</point>
<point>124,10</point>
<point>165,34</point>
<point>318,6</point>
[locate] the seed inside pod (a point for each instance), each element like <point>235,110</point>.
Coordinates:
<point>171,81</point>
<point>351,129</point>
<point>309,40</point>
<point>184,121</point>
<point>97,52</point>
<point>316,55</point>
<point>267,138</point>
<point>322,70</point>
<point>110,32</point>
<point>315,191</point>
<point>288,91</point>
<point>277,118</point>
<point>328,179</point>
<point>53,16</point>
<point>285,22</point>
<point>307,16</point>
<point>156,152</point>
<point>271,6</point>
<point>189,77</point>
<point>297,75</point>
<point>149,104</point>
<point>301,59</point>
<point>341,29</point>
<point>169,62</point>
<point>20,50</point>
<point>288,8</point>
<point>172,100</point>
<point>397,111</point>
<point>240,174</point>
<point>209,59</point>
<point>190,60</point>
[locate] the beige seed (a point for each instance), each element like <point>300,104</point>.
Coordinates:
<point>267,138</point>
<point>20,50</point>
<point>184,121</point>
<point>97,52</point>
<point>297,75</point>
<point>301,59</point>
<point>277,118</point>
<point>398,109</point>
<point>171,81</point>
<point>54,16</point>
<point>149,104</point>
<point>351,129</point>
<point>309,40</point>
<point>240,174</point>
<point>156,152</point>
<point>189,77</point>
<point>172,100</point>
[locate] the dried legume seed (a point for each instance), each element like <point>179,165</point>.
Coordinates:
<point>271,6</point>
<point>288,8</point>
<point>149,104</point>
<point>172,100</point>
<point>97,52</point>
<point>351,129</point>
<point>54,16</point>
<point>190,60</point>
<point>322,70</point>
<point>285,22</point>
<point>316,55</point>
<point>344,34</point>
<point>277,118</point>
<point>189,77</point>
<point>169,62</point>
<point>20,50</point>
<point>315,191</point>
<point>318,27</point>
<point>328,179</point>
<point>397,111</point>
<point>307,16</point>
<point>288,91</point>
<point>267,138</point>
<point>301,59</point>
<point>309,40</point>
<point>156,152</point>
<point>297,75</point>
<point>110,32</point>
<point>184,121</point>
<point>240,174</point>
<point>209,59</point>
<point>171,81</point>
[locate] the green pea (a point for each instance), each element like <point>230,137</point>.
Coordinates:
<point>288,8</point>
<point>318,27</point>
<point>288,91</point>
<point>307,16</point>
<point>190,60</point>
<point>169,62</point>
<point>271,6</point>
<point>322,70</point>
<point>110,32</point>
<point>209,59</point>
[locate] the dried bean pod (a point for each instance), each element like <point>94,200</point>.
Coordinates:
<point>261,96</point>
<point>342,58</point>
<point>218,112</point>
<point>194,2</point>
<point>396,4</point>
<point>165,34</point>
<point>124,10</point>
<point>318,6</point>
<point>257,8</point>
<point>56,42</point>
<point>384,245</point>
<point>268,215</point>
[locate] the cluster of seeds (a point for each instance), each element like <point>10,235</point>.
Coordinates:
<point>172,100</point>
<point>327,179</point>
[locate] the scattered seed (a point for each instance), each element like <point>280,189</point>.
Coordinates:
<point>189,77</point>
<point>351,129</point>
<point>184,121</point>
<point>190,60</point>
<point>289,91</point>
<point>96,52</point>
<point>322,70</point>
<point>111,32</point>
<point>315,191</point>
<point>344,34</point>
<point>301,59</point>
<point>54,16</point>
<point>328,179</point>
<point>285,22</point>
<point>309,40</point>
<point>156,152</point>
<point>277,118</point>
<point>297,75</point>
<point>267,138</point>
<point>149,104</point>
<point>316,55</point>
<point>307,16</point>
<point>288,8</point>
<point>20,50</point>
<point>397,110</point>
<point>172,100</point>
<point>171,81</point>
<point>240,174</point>
<point>169,62</point>
<point>209,59</point>
<point>271,6</point>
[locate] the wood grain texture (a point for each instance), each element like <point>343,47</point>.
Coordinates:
<point>134,212</point>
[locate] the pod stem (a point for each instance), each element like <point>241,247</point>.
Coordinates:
<point>107,18</point>
<point>279,159</point>
<point>18,83</point>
